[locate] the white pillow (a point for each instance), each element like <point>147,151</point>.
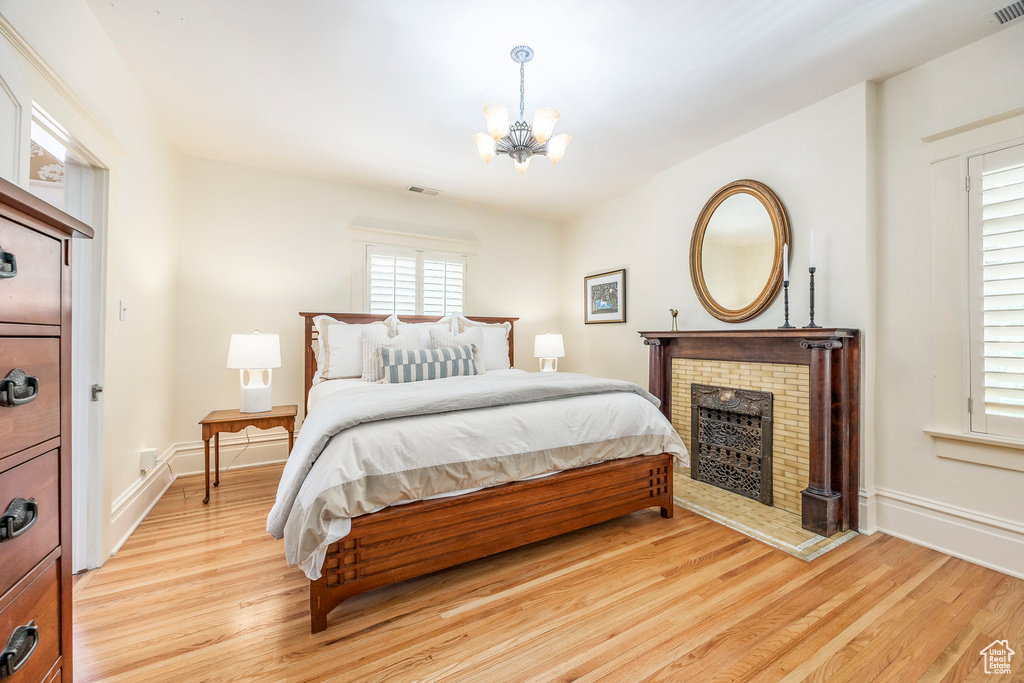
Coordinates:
<point>442,339</point>
<point>318,354</point>
<point>373,340</point>
<point>495,336</point>
<point>341,345</point>
<point>446,324</point>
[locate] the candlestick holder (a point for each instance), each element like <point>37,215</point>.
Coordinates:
<point>785,299</point>
<point>812,325</point>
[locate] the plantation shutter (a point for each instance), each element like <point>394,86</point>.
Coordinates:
<point>443,276</point>
<point>391,280</point>
<point>996,217</point>
<point>412,282</point>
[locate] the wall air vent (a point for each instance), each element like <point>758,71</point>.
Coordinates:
<point>1001,17</point>
<point>424,190</point>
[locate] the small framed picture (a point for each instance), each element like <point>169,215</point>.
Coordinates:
<point>605,297</point>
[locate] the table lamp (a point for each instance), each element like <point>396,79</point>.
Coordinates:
<point>253,355</point>
<point>549,348</point>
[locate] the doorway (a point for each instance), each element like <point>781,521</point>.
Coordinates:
<point>66,175</point>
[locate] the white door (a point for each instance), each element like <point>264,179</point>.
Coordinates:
<point>84,191</point>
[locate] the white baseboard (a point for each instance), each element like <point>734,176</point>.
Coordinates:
<point>263,449</point>
<point>132,506</point>
<point>868,519</point>
<point>990,541</point>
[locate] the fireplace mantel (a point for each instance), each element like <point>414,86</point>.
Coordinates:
<point>830,501</point>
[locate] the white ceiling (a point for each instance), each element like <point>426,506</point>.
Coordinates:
<point>389,93</point>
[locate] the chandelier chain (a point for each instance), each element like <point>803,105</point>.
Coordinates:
<point>522,89</point>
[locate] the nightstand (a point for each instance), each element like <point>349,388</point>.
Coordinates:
<point>235,421</point>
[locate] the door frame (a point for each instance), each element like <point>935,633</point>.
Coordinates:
<point>88,324</point>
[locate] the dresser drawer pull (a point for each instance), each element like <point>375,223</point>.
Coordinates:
<point>20,516</point>
<point>8,265</point>
<point>18,388</point>
<point>19,648</point>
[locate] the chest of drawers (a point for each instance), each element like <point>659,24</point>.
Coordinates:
<point>35,431</point>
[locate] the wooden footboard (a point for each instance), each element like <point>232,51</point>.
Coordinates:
<point>406,541</point>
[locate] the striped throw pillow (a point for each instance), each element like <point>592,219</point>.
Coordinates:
<point>401,365</point>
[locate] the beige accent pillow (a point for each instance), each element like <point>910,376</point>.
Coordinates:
<point>340,348</point>
<point>446,323</point>
<point>441,339</point>
<point>495,341</point>
<point>374,340</point>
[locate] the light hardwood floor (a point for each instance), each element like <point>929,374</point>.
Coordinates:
<point>202,593</point>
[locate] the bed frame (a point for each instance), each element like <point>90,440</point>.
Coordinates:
<point>406,541</point>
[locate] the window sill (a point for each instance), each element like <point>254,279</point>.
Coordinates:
<point>1005,452</point>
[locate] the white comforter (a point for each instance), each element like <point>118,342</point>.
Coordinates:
<point>387,460</point>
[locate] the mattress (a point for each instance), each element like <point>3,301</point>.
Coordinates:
<point>448,437</point>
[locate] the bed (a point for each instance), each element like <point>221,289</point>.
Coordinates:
<point>372,543</point>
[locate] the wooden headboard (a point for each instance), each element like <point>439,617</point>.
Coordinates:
<point>356,318</point>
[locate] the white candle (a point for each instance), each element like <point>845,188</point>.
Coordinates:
<point>810,255</point>
<point>785,262</point>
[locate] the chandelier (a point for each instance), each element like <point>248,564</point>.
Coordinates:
<point>520,140</point>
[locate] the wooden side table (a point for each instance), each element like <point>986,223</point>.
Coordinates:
<point>235,421</point>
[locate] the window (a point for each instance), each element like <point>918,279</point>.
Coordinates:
<point>414,282</point>
<point>995,201</point>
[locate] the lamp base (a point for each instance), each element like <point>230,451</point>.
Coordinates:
<point>549,365</point>
<point>254,392</point>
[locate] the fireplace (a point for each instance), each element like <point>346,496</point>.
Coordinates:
<point>731,440</point>
<point>813,375</point>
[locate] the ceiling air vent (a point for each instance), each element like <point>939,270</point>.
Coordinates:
<point>1001,17</point>
<point>424,190</point>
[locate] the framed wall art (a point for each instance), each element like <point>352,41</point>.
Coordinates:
<point>605,297</point>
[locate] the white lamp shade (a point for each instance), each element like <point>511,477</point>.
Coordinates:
<point>556,147</point>
<point>485,146</point>
<point>497,120</point>
<point>254,351</point>
<point>543,123</point>
<point>548,346</point>
<point>522,166</point>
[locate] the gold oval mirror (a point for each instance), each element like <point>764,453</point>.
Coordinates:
<point>736,250</point>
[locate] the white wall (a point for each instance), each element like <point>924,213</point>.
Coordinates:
<point>256,247</point>
<point>814,159</point>
<point>920,262</point>
<point>115,122</point>
<point>621,233</point>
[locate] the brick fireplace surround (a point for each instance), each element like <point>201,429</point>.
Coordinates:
<point>788,385</point>
<point>814,375</point>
